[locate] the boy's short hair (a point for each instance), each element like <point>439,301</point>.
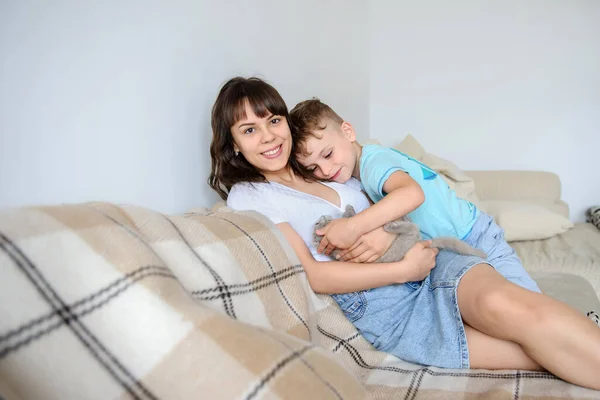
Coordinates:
<point>308,117</point>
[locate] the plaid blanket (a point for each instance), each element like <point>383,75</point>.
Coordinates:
<point>101,301</point>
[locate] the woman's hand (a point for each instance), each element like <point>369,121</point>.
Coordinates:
<point>369,247</point>
<point>340,233</point>
<point>418,262</point>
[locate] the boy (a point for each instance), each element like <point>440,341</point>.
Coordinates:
<point>398,185</point>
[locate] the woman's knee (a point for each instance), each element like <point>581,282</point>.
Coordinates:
<point>512,308</point>
<point>491,303</point>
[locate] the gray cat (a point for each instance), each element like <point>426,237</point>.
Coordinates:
<point>408,235</point>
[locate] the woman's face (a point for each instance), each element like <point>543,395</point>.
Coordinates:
<point>266,143</point>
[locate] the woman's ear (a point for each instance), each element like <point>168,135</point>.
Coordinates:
<point>348,131</point>
<point>236,149</point>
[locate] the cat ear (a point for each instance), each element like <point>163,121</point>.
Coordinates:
<point>349,212</point>
<point>322,222</point>
<point>392,227</point>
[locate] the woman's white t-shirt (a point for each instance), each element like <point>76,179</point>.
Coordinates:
<point>281,204</point>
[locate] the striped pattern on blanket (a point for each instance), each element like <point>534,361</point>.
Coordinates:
<point>105,301</point>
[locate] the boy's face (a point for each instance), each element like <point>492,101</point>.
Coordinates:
<point>331,155</point>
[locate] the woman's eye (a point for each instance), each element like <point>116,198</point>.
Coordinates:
<point>275,121</point>
<point>249,130</point>
<point>329,155</point>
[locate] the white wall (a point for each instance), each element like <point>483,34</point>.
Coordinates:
<point>493,85</point>
<point>110,100</point>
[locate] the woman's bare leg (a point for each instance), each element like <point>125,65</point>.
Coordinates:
<point>553,334</point>
<point>488,352</point>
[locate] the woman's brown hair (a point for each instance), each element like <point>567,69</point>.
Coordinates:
<point>228,169</point>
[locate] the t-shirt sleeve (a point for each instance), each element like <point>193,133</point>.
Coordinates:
<point>244,197</point>
<point>377,167</point>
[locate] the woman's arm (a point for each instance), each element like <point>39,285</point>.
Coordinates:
<point>344,277</point>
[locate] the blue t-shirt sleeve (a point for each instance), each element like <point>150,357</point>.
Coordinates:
<point>377,166</point>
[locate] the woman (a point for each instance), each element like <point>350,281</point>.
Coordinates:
<point>449,316</point>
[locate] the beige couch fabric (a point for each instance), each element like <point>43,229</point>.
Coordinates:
<point>525,221</point>
<point>572,289</point>
<point>576,251</point>
<point>101,301</point>
<point>106,302</point>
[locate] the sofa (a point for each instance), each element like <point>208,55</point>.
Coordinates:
<point>101,301</point>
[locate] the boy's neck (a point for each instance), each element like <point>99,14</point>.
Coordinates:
<point>358,153</point>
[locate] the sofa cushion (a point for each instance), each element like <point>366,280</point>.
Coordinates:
<point>532,186</point>
<point>526,221</point>
<point>410,146</point>
<point>593,216</point>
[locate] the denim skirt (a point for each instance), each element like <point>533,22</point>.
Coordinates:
<point>420,322</point>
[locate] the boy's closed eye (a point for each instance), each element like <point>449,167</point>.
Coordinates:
<point>326,156</point>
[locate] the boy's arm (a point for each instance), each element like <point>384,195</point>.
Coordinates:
<point>344,277</point>
<point>403,195</point>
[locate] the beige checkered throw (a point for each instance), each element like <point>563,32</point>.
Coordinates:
<point>99,301</point>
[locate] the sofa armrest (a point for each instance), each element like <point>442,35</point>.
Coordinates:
<point>534,186</point>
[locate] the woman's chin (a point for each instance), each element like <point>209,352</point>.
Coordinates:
<point>274,168</point>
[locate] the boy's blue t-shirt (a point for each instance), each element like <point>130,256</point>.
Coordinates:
<point>442,213</point>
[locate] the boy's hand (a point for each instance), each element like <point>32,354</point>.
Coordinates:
<point>369,247</point>
<point>340,233</point>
